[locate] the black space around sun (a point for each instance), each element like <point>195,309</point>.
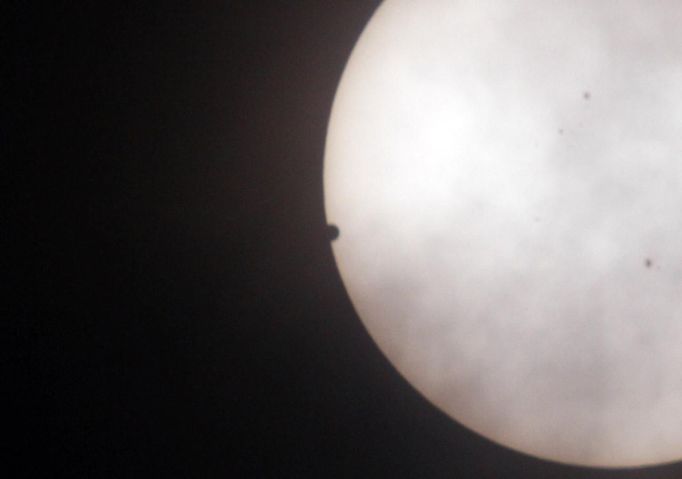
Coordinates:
<point>175,306</point>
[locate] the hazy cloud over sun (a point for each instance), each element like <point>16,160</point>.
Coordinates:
<point>507,180</point>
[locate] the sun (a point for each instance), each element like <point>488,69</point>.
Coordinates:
<point>506,180</point>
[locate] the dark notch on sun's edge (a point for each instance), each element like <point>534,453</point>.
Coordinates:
<point>332,232</point>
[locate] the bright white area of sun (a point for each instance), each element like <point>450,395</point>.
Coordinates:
<point>501,173</point>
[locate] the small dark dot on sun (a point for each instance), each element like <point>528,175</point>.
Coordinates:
<point>561,131</point>
<point>648,263</point>
<point>587,95</point>
<point>332,232</point>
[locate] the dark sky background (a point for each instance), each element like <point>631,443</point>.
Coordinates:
<point>179,310</point>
